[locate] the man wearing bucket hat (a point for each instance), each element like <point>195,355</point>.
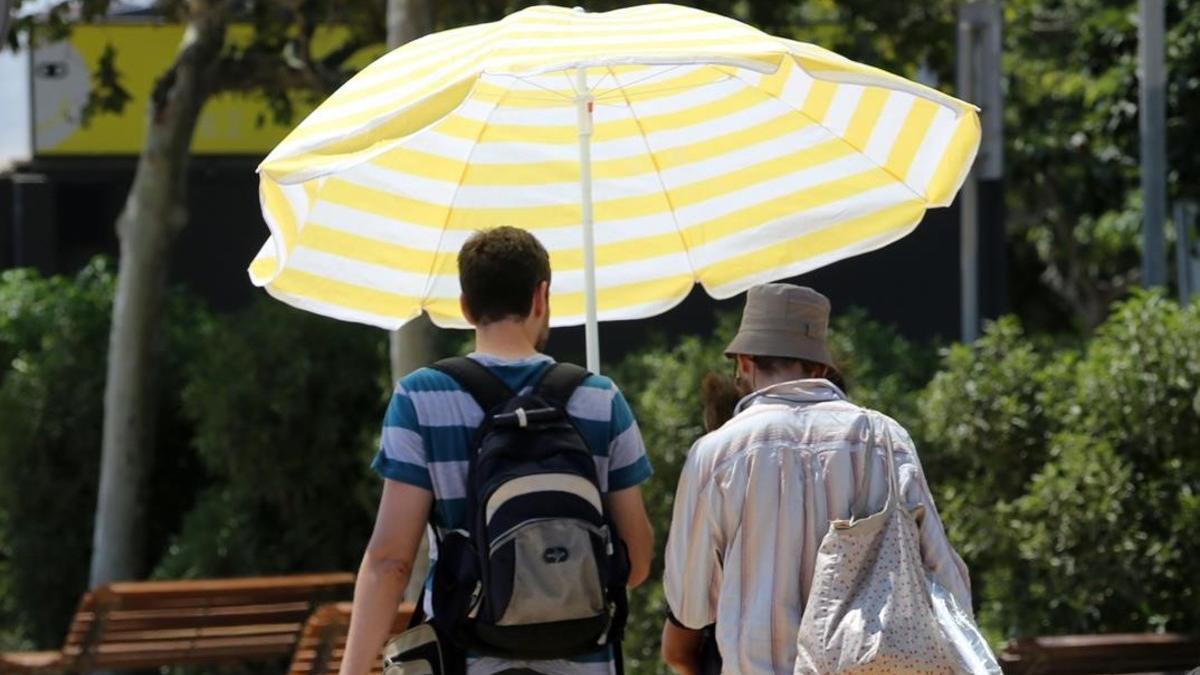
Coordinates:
<point>756,496</point>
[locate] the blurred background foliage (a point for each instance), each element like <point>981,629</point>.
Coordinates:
<point>1060,446</point>
<point>1063,468</point>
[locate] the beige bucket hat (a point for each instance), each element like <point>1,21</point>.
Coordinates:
<point>784,320</point>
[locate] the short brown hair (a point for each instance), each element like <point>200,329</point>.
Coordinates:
<point>774,364</point>
<point>499,270</point>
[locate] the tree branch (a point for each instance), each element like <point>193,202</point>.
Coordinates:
<point>250,71</point>
<point>276,70</point>
<point>338,57</point>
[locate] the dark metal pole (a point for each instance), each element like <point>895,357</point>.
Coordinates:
<point>1152,122</point>
<point>1185,220</point>
<point>981,238</point>
<point>968,207</point>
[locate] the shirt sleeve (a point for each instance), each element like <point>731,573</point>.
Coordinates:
<point>692,575</point>
<point>627,462</point>
<point>401,455</point>
<point>940,558</point>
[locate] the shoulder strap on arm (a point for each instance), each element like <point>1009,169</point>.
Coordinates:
<point>862,497</point>
<point>489,391</point>
<point>560,381</point>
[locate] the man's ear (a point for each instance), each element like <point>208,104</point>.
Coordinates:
<point>541,298</point>
<point>466,312</point>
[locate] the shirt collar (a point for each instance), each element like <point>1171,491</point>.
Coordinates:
<point>797,391</point>
<point>494,360</point>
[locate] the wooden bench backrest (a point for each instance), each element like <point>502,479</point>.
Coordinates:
<point>1113,653</point>
<point>323,641</point>
<point>132,625</point>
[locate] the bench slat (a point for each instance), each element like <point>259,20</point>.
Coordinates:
<point>29,661</point>
<point>300,583</point>
<point>1111,653</point>
<point>275,643</point>
<point>152,635</point>
<point>227,592</point>
<point>181,603</point>
<point>235,653</point>
<point>120,621</point>
<point>1113,639</point>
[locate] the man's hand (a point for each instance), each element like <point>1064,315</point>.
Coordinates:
<point>628,513</point>
<point>681,648</point>
<point>383,575</point>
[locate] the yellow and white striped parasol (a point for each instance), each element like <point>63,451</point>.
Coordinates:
<point>703,150</point>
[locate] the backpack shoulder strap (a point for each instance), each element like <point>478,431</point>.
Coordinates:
<point>488,390</point>
<point>560,381</point>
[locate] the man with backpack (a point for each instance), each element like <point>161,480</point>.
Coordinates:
<point>526,472</point>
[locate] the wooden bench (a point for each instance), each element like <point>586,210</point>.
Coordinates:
<point>1102,654</point>
<point>323,641</point>
<point>142,625</point>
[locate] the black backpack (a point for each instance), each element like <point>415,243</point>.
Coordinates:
<point>538,572</point>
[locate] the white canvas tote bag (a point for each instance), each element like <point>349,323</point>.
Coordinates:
<point>870,609</point>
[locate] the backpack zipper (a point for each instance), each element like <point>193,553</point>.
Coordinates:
<point>511,533</point>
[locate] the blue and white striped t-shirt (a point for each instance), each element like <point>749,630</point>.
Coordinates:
<point>427,434</point>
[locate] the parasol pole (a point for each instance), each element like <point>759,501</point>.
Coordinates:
<point>583,108</point>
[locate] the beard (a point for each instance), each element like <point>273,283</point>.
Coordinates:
<point>743,386</point>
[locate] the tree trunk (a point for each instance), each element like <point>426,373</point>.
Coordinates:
<point>410,348</point>
<point>154,214</point>
<point>5,19</point>
<point>408,20</point>
<point>415,344</point>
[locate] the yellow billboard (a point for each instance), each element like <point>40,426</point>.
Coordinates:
<point>62,75</point>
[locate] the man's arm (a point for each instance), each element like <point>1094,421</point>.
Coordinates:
<point>628,513</point>
<point>939,557</point>
<point>692,570</point>
<point>383,575</point>
<point>681,647</point>
<point>629,468</point>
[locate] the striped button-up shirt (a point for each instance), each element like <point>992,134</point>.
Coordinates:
<point>756,498</point>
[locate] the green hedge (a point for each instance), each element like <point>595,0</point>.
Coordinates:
<point>662,385</point>
<point>1069,477</point>
<point>53,344</point>
<point>1066,472</point>
<point>267,422</point>
<point>287,408</point>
